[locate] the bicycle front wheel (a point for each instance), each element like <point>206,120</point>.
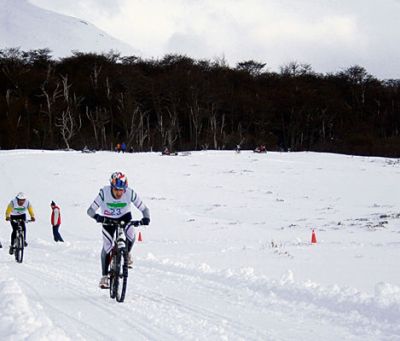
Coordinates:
<point>122,261</point>
<point>113,275</point>
<point>19,249</point>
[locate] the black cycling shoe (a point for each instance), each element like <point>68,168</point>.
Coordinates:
<point>11,250</point>
<point>25,244</point>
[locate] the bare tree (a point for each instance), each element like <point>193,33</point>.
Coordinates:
<point>13,115</point>
<point>143,129</point>
<point>251,67</point>
<point>98,119</point>
<point>94,77</point>
<point>295,69</point>
<point>161,128</point>
<point>173,128</point>
<point>70,121</point>
<point>217,128</point>
<point>195,120</point>
<point>241,134</point>
<point>51,96</point>
<point>133,120</point>
<point>68,126</point>
<point>359,78</point>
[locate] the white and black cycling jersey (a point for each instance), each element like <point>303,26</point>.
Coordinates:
<point>111,207</point>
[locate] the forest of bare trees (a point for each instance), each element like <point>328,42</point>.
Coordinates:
<point>99,100</point>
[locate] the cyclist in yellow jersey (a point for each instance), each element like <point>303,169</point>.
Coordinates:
<point>16,210</point>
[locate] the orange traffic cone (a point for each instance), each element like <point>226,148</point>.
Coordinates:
<point>140,237</point>
<point>313,238</point>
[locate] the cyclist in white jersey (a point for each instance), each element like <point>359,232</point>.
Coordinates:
<point>114,202</point>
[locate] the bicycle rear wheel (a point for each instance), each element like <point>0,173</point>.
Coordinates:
<point>19,249</point>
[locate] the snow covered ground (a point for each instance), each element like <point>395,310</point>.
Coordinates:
<point>227,255</point>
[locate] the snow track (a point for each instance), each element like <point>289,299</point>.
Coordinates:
<point>176,301</point>
<point>237,268</point>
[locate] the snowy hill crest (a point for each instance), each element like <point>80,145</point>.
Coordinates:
<point>29,27</point>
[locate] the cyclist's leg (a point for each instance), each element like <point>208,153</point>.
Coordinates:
<point>14,230</point>
<point>105,261</point>
<point>13,235</point>
<point>108,235</point>
<point>131,236</point>
<point>130,231</point>
<point>24,229</point>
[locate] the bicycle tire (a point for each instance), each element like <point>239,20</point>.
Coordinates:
<point>113,277</point>
<point>122,261</point>
<point>19,250</point>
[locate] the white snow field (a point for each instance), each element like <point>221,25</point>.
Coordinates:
<point>228,253</point>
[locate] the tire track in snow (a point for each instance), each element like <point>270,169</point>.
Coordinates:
<point>265,321</point>
<point>213,320</point>
<point>102,306</point>
<point>216,322</point>
<point>346,307</point>
<point>153,314</point>
<point>19,318</point>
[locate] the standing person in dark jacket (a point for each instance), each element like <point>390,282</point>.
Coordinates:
<point>123,147</point>
<point>56,221</point>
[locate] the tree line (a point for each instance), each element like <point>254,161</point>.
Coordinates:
<point>98,100</point>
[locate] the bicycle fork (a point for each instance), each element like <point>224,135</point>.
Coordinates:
<point>123,251</point>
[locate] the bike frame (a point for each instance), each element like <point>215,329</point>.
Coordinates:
<point>119,259</point>
<point>19,240</point>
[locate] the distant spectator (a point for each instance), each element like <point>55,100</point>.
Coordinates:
<point>261,149</point>
<point>131,150</point>
<point>56,221</point>
<point>123,147</point>
<point>166,151</point>
<point>238,148</point>
<point>118,147</point>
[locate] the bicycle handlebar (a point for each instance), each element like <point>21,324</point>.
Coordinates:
<point>112,222</point>
<point>21,220</point>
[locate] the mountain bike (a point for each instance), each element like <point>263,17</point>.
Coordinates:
<point>19,241</point>
<point>118,272</point>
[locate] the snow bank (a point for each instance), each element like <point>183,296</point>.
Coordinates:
<point>19,320</point>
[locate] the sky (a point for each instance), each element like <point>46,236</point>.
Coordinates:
<point>330,35</point>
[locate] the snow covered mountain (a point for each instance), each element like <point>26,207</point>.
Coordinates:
<point>27,26</point>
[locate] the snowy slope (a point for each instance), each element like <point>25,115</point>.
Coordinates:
<point>227,255</point>
<point>27,26</point>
